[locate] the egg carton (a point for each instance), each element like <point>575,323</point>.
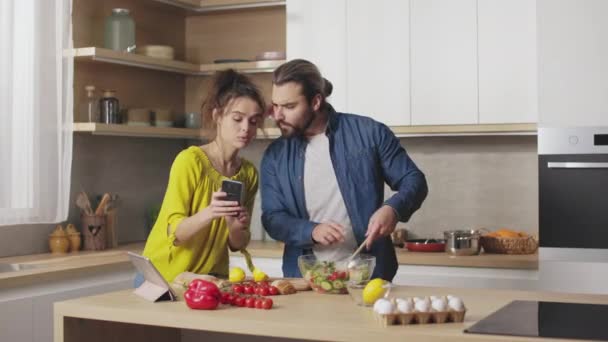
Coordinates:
<point>421,317</point>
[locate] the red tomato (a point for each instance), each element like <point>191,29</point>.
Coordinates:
<point>259,302</point>
<point>267,303</point>
<point>236,288</point>
<point>250,302</point>
<point>274,291</point>
<point>264,291</point>
<point>248,289</point>
<point>263,284</point>
<point>239,301</point>
<point>226,298</point>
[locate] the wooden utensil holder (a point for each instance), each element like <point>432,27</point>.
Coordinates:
<point>94,232</point>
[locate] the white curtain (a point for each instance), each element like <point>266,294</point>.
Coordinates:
<point>35,111</point>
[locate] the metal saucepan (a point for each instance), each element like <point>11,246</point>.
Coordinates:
<point>462,242</point>
<point>425,245</point>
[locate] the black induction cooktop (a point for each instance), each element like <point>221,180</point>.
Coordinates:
<point>547,319</point>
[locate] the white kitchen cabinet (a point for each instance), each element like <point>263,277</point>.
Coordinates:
<point>316,31</point>
<point>378,60</point>
<point>16,320</point>
<point>444,62</point>
<point>573,68</point>
<point>26,311</point>
<point>507,61</point>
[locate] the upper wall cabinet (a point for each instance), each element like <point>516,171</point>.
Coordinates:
<point>316,31</point>
<point>507,61</point>
<point>423,62</point>
<point>444,62</point>
<point>377,36</point>
<point>573,68</point>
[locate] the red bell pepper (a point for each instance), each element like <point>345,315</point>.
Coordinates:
<point>202,295</point>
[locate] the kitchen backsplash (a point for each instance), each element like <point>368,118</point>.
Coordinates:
<point>473,182</point>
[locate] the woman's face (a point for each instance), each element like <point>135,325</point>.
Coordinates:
<point>239,123</point>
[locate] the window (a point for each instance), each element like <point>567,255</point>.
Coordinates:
<point>35,111</point>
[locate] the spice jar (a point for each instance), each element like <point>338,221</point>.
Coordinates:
<point>109,107</point>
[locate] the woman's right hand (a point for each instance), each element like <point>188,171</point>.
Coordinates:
<point>220,208</point>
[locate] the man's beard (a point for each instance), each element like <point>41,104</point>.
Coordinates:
<point>298,131</point>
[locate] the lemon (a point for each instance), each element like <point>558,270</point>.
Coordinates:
<point>373,291</point>
<point>236,275</point>
<point>258,275</point>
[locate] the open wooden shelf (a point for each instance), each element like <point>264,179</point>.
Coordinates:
<point>136,131</point>
<point>273,133</point>
<point>206,6</point>
<point>102,55</point>
<point>459,130</point>
<point>152,131</point>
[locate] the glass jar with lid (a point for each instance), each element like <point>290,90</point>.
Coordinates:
<point>119,32</point>
<point>109,108</point>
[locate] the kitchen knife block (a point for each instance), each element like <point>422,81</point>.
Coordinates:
<point>94,232</point>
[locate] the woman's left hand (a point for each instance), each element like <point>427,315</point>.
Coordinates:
<point>238,222</point>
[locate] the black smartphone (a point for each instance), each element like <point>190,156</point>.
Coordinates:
<point>233,190</point>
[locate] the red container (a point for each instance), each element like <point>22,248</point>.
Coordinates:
<point>425,245</point>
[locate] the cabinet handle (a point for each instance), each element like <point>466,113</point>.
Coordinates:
<point>572,165</point>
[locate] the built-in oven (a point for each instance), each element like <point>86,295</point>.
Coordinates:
<point>573,187</point>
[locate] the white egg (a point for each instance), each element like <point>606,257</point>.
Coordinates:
<point>449,297</point>
<point>404,305</point>
<point>434,298</point>
<point>422,306</point>
<point>438,305</point>
<point>383,306</point>
<point>456,304</point>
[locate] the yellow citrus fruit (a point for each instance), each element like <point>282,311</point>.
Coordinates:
<point>373,291</point>
<point>236,275</point>
<point>258,275</point>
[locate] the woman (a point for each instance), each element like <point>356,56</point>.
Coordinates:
<point>195,226</point>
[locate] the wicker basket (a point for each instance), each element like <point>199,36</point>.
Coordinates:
<point>505,245</point>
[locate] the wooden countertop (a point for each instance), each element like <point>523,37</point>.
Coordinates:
<point>73,262</point>
<point>53,265</point>
<point>271,249</point>
<point>307,315</point>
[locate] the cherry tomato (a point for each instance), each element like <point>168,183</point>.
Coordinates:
<point>273,291</point>
<point>263,284</point>
<point>264,291</point>
<point>236,288</point>
<point>233,299</point>
<point>250,302</point>
<point>240,301</point>
<point>259,302</point>
<point>267,303</point>
<point>248,289</point>
<point>226,298</point>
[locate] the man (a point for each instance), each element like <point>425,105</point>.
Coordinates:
<point>323,181</point>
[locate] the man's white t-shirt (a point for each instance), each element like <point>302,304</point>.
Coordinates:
<point>324,201</point>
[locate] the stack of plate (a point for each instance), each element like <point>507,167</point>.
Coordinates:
<point>156,51</point>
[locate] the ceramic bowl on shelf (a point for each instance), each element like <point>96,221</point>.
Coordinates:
<point>156,51</point>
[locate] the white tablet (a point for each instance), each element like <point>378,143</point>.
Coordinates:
<point>155,287</point>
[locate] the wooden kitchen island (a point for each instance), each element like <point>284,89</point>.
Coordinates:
<point>122,316</point>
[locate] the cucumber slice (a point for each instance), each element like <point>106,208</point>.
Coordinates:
<point>325,285</point>
<point>338,284</point>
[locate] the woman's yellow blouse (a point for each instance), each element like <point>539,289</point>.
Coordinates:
<point>192,181</point>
